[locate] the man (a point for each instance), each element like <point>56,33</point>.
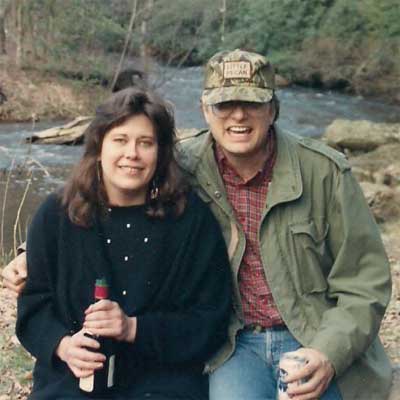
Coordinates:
<point>310,271</point>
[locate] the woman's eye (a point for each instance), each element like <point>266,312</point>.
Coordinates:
<point>146,143</point>
<point>119,140</point>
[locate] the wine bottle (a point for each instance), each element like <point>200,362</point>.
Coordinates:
<point>101,382</point>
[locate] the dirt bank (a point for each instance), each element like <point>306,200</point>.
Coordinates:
<point>35,96</point>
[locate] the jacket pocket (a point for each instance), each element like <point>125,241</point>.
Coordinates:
<point>310,256</point>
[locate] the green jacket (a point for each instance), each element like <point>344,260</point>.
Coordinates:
<point>322,255</point>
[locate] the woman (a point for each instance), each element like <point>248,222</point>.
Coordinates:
<point>124,214</point>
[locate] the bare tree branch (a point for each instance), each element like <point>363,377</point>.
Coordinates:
<point>126,44</point>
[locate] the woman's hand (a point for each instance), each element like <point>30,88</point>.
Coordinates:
<point>106,318</point>
<point>74,351</point>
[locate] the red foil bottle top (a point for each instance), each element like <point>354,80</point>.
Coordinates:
<point>101,289</point>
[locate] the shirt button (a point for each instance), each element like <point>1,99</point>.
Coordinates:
<point>128,225</point>
<point>108,241</point>
<point>217,194</point>
<point>126,258</point>
<point>146,239</point>
<point>124,292</point>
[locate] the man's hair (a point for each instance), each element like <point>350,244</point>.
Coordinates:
<point>276,107</point>
<point>84,195</point>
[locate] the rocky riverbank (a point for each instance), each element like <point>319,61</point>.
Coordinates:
<point>374,153</point>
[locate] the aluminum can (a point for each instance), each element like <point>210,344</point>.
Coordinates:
<point>289,363</point>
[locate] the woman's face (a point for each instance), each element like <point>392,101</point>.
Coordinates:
<point>129,160</point>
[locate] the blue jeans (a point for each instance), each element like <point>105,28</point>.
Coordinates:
<point>251,372</point>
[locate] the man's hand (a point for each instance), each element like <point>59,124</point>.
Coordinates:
<point>14,274</point>
<point>106,318</point>
<point>319,372</point>
<point>75,352</point>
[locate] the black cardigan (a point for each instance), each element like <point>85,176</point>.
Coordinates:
<point>180,292</point>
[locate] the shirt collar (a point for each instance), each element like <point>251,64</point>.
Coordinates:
<point>229,173</point>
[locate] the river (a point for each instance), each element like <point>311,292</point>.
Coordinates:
<point>306,112</point>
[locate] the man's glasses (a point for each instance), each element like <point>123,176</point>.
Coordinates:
<point>226,108</point>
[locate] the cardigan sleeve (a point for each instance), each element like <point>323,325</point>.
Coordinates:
<point>38,328</point>
<point>359,281</point>
<point>201,300</point>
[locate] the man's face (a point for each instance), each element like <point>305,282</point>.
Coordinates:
<point>239,127</point>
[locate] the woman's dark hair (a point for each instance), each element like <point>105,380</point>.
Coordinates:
<point>84,195</point>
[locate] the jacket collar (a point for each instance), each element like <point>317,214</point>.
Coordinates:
<point>286,184</point>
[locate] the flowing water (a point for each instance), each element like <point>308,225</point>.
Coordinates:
<point>306,112</point>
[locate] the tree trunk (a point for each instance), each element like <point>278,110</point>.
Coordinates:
<point>126,44</point>
<point>49,35</point>
<point>4,8</point>
<point>222,10</point>
<point>31,32</point>
<point>19,4</point>
<point>144,51</point>
<point>2,36</point>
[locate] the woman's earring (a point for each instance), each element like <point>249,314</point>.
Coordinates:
<point>98,166</point>
<point>154,192</point>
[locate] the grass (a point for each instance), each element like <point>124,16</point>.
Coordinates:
<point>15,362</point>
<point>15,366</point>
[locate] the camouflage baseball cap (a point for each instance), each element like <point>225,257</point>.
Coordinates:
<point>238,75</point>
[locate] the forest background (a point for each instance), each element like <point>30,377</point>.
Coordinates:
<point>59,58</point>
<point>348,45</point>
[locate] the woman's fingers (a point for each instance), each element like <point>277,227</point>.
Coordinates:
<point>102,305</point>
<point>102,316</point>
<point>79,352</point>
<point>87,340</point>
<point>85,362</point>
<point>106,318</point>
<point>80,373</point>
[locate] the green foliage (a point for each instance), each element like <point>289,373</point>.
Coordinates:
<point>344,21</point>
<point>87,25</point>
<point>382,18</point>
<point>58,29</point>
<point>274,25</point>
<point>312,36</point>
<point>184,26</point>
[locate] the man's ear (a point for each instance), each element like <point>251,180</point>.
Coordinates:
<point>271,113</point>
<point>206,111</point>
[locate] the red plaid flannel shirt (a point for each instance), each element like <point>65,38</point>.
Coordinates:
<point>248,199</point>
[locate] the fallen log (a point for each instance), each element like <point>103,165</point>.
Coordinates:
<point>71,133</point>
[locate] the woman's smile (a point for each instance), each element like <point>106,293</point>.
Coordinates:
<point>129,160</point>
